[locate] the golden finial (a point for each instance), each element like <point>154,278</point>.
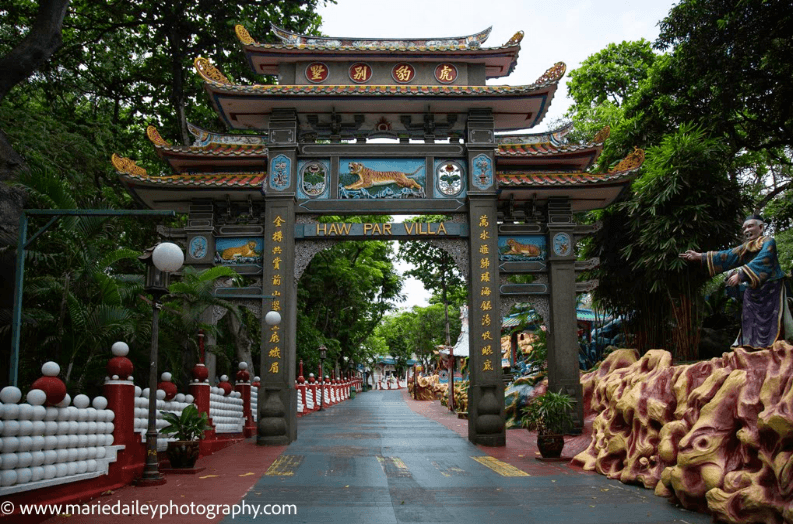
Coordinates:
<point>516,39</point>
<point>155,137</point>
<point>602,135</point>
<point>243,35</point>
<point>126,166</point>
<point>554,74</point>
<point>633,161</point>
<point>209,72</point>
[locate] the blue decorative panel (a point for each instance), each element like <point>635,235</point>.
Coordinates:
<point>198,247</point>
<point>382,178</point>
<point>313,179</point>
<point>522,248</point>
<point>450,178</point>
<point>280,172</point>
<point>482,166</point>
<point>562,245</point>
<point>241,250</point>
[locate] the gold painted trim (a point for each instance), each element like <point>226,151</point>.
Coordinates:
<point>127,166</point>
<point>155,137</point>
<point>554,74</point>
<point>633,161</point>
<point>209,72</point>
<point>243,35</point>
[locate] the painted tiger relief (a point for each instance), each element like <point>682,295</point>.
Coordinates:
<point>516,248</point>
<point>245,250</point>
<point>369,177</point>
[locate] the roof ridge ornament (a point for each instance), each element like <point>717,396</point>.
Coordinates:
<point>243,35</point>
<point>155,137</point>
<point>602,135</point>
<point>515,40</point>
<point>552,75</point>
<point>473,41</point>
<point>209,72</point>
<point>633,161</point>
<point>127,166</point>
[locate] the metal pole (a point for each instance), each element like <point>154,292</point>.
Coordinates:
<point>451,379</point>
<point>321,385</point>
<point>151,471</point>
<point>16,321</point>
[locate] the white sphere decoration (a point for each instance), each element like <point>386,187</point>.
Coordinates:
<point>10,395</point>
<point>8,478</point>
<point>82,466</point>
<point>50,427</point>
<point>74,427</point>
<point>39,412</point>
<point>91,440</point>
<point>72,413</point>
<point>10,444</point>
<point>189,399</point>
<point>25,443</point>
<point>61,470</point>
<point>25,427</point>
<point>10,428</point>
<point>37,473</point>
<point>167,257</point>
<point>25,412</point>
<point>91,414</point>
<point>160,394</point>
<point>145,393</point>
<point>99,403</point>
<point>100,452</point>
<point>50,471</point>
<point>50,442</point>
<point>243,365</point>
<point>92,465</point>
<point>81,401</point>
<point>138,391</point>
<point>109,427</point>
<point>36,397</point>
<point>272,318</point>
<point>224,378</point>
<point>71,441</point>
<point>51,413</point>
<point>24,475</point>
<point>10,412</point>
<point>25,458</point>
<point>71,468</point>
<point>91,429</point>
<point>119,349</point>
<point>179,397</point>
<point>257,379</point>
<point>82,453</point>
<point>50,369</point>
<point>65,402</point>
<point>38,443</point>
<point>63,456</point>
<point>38,458</point>
<point>165,377</point>
<point>8,460</point>
<point>72,455</point>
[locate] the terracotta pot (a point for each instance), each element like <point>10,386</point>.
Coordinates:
<point>183,453</point>
<point>550,446</point>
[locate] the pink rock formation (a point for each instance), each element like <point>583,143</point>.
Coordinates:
<point>716,436</point>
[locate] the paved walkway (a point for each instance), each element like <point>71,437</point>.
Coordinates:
<point>384,458</point>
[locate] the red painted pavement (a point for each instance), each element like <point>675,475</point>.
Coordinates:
<point>229,474</point>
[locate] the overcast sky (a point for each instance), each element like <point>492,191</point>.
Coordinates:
<point>555,31</point>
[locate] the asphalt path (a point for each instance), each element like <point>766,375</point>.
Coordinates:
<point>373,459</point>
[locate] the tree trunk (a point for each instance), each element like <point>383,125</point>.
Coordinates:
<point>242,341</point>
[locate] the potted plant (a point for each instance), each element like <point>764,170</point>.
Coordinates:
<point>550,415</point>
<point>188,428</point>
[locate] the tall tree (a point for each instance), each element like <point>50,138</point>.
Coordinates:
<point>435,268</point>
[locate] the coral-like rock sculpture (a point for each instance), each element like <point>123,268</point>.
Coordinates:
<point>715,436</point>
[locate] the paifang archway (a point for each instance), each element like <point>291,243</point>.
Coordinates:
<point>251,199</point>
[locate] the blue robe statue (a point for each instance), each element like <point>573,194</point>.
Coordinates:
<point>766,314</point>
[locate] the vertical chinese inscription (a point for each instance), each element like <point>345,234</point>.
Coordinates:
<point>489,319</point>
<point>274,354</point>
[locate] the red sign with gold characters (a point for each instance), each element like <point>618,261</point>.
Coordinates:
<point>403,73</point>
<point>445,73</point>
<point>360,73</point>
<point>316,72</point>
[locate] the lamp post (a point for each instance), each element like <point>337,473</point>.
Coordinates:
<point>161,260</point>
<point>323,354</point>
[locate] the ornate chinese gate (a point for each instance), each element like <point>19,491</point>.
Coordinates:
<point>253,200</point>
